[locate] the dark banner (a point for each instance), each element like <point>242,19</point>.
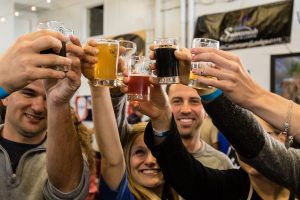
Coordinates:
<point>256,26</point>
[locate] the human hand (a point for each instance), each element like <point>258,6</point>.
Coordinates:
<point>184,56</point>
<point>157,108</point>
<point>90,59</point>
<point>60,91</point>
<point>21,63</point>
<point>231,76</point>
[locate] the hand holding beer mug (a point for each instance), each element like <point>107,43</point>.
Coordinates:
<point>139,71</point>
<point>130,49</point>
<point>167,64</point>
<point>201,42</point>
<point>58,27</point>
<point>105,70</point>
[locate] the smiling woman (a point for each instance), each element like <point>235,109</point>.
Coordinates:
<point>145,177</point>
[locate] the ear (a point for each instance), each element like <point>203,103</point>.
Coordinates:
<point>5,101</point>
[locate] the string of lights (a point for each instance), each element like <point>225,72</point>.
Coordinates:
<point>16,13</point>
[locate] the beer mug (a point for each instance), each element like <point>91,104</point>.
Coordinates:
<point>139,71</point>
<point>201,42</point>
<point>130,49</point>
<point>105,70</point>
<point>58,27</point>
<point>167,64</point>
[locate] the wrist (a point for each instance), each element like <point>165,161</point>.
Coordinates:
<point>160,133</point>
<point>212,96</point>
<point>3,93</point>
<point>162,123</point>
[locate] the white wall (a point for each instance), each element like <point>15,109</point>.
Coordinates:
<point>119,17</point>
<point>7,27</point>
<point>123,16</point>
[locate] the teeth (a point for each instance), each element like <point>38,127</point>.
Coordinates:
<point>150,171</point>
<point>186,120</point>
<point>33,117</point>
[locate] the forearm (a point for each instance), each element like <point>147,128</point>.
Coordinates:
<point>278,164</point>
<point>238,125</point>
<point>64,157</point>
<point>274,109</point>
<point>107,135</point>
<point>187,175</point>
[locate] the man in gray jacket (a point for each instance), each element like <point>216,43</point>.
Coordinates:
<point>27,171</point>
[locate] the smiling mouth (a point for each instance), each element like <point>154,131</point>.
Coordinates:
<point>150,172</point>
<point>33,117</point>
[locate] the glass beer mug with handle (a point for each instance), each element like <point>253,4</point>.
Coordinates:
<point>58,27</point>
<point>130,50</point>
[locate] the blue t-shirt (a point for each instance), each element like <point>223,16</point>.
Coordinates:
<point>123,193</point>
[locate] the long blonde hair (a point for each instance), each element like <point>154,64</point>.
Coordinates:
<point>139,191</point>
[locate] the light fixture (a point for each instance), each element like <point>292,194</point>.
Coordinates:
<point>17,13</point>
<point>48,1</point>
<point>2,19</point>
<point>33,8</point>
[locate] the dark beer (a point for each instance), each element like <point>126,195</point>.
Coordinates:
<point>166,62</point>
<point>62,51</point>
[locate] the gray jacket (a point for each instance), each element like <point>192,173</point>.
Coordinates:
<point>254,146</point>
<point>30,181</point>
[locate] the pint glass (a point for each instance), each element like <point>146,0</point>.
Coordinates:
<point>139,71</point>
<point>166,63</point>
<point>105,70</point>
<point>201,42</point>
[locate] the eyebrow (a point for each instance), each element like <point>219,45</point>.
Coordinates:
<point>27,90</point>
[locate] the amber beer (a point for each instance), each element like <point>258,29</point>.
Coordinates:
<point>201,42</point>
<point>105,70</point>
<point>139,71</point>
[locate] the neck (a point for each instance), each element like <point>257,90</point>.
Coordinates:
<point>267,189</point>
<point>192,144</point>
<point>11,134</point>
<point>158,190</point>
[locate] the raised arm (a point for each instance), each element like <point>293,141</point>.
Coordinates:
<point>241,88</point>
<point>254,146</point>
<point>106,129</point>
<point>188,176</point>
<point>107,135</point>
<point>65,166</point>
<point>21,63</point>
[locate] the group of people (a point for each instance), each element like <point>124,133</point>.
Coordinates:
<point>40,146</point>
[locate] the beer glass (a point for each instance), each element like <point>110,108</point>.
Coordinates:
<point>130,49</point>
<point>58,27</point>
<point>166,63</point>
<point>139,71</point>
<point>201,42</point>
<point>105,70</point>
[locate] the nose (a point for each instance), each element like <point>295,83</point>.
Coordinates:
<point>150,160</point>
<point>185,108</point>
<point>38,105</point>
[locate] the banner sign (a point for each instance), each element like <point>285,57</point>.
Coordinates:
<point>255,26</point>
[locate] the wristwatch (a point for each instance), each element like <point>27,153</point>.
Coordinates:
<point>160,134</point>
